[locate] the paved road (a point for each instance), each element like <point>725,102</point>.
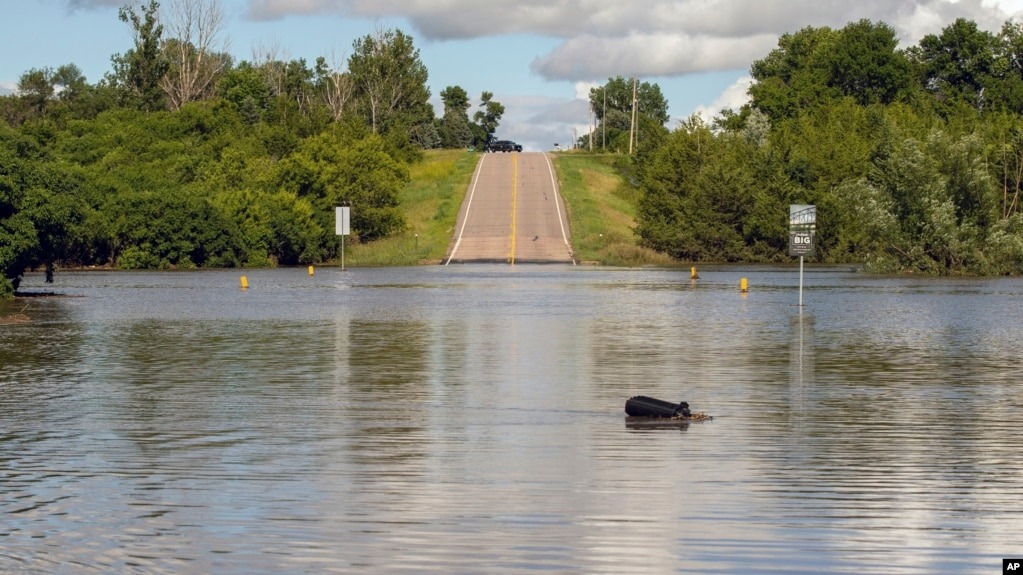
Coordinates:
<point>512,213</point>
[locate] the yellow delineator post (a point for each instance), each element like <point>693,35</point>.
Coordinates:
<point>245,282</point>
<point>743,285</point>
<point>312,271</point>
<point>692,273</point>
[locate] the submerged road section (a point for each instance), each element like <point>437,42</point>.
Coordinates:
<point>512,213</point>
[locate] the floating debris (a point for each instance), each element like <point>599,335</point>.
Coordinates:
<point>644,406</point>
<point>643,411</point>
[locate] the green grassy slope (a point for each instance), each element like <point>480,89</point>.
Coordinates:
<point>601,207</point>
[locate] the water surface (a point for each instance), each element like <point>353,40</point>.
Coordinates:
<point>469,419</point>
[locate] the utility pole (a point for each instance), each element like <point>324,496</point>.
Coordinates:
<point>603,124</point>
<point>591,129</point>
<point>632,126</point>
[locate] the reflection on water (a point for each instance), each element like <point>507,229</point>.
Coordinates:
<point>470,419</point>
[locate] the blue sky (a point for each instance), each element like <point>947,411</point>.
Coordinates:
<point>538,57</point>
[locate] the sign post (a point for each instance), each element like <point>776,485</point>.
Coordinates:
<point>802,236</point>
<point>342,227</point>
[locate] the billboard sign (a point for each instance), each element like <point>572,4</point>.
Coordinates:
<point>802,230</point>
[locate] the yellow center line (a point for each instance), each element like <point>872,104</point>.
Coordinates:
<point>515,199</point>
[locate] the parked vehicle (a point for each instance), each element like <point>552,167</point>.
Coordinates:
<point>504,146</point>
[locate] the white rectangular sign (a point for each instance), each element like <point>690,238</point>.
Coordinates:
<point>342,216</point>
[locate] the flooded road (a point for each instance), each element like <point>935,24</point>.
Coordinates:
<point>469,419</point>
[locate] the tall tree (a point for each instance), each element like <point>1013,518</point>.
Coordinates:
<point>40,89</point>
<point>867,65</point>
<point>454,128</point>
<point>487,119</point>
<point>796,75</point>
<point>195,53</point>
<point>390,80</point>
<point>958,64</point>
<point>36,89</point>
<point>141,69</point>
<point>334,86</point>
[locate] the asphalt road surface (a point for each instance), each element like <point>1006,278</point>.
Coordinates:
<point>512,213</point>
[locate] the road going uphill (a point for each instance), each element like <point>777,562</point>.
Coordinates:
<point>512,213</point>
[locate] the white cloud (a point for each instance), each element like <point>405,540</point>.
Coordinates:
<point>539,122</point>
<point>582,89</point>
<point>598,39</point>
<point>732,98</point>
<point>7,88</point>
<point>1012,8</point>
<point>590,57</point>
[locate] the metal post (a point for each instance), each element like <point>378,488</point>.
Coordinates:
<point>343,254</point>
<point>800,281</point>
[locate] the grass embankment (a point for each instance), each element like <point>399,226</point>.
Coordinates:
<point>601,207</point>
<point>430,202</point>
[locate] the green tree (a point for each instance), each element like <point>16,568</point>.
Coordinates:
<point>54,94</point>
<point>1008,93</point>
<point>152,230</point>
<point>247,89</point>
<point>695,194</point>
<point>958,65</point>
<point>141,69</point>
<point>487,118</point>
<point>612,105</point>
<point>390,81</point>
<point>928,206</point>
<point>36,89</point>
<point>866,64</point>
<point>40,209</point>
<point>277,228</point>
<point>454,128</point>
<point>796,75</point>
<point>333,169</point>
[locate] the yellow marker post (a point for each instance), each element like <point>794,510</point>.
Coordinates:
<point>743,285</point>
<point>692,274</point>
<point>245,282</point>
<point>312,271</point>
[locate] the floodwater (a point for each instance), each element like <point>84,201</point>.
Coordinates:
<point>470,419</point>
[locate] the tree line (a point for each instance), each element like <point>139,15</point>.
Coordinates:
<point>181,157</point>
<point>913,157</point>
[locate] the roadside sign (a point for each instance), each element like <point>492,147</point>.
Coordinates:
<point>342,227</point>
<point>802,230</point>
<point>342,217</point>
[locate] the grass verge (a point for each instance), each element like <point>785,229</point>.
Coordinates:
<point>430,202</point>
<point>601,206</point>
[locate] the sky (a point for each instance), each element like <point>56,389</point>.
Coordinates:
<point>538,57</point>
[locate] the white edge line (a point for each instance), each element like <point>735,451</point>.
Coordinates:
<point>557,195</point>
<point>465,220</point>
